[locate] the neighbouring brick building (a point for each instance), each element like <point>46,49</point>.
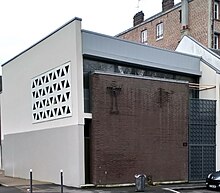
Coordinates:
<point>196,18</point>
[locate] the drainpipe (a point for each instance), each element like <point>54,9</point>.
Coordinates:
<point>210,24</point>
<point>185,16</point>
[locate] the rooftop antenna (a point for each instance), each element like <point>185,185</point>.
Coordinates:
<point>138,5</point>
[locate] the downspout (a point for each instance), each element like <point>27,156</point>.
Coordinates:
<point>185,16</point>
<point>210,24</point>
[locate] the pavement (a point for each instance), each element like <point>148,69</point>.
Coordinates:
<point>23,185</point>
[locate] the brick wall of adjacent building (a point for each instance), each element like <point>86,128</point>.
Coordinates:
<point>147,135</point>
<point>198,26</point>
<point>198,21</point>
<point>171,36</point>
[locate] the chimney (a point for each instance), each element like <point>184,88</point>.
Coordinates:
<point>185,14</point>
<point>167,4</point>
<point>138,18</point>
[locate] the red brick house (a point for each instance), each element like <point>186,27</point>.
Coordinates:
<point>196,18</point>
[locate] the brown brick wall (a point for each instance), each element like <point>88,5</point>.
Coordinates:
<point>145,136</point>
<point>198,20</point>
<point>198,27</point>
<point>171,35</point>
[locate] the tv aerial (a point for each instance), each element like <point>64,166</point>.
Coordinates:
<point>138,4</point>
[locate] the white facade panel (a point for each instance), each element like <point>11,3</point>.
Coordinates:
<point>46,152</point>
<point>43,121</point>
<point>60,48</point>
<point>51,94</point>
<point>208,80</point>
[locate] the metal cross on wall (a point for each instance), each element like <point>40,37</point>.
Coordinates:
<point>163,97</point>
<point>114,91</point>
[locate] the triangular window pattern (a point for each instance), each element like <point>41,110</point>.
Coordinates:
<point>68,110</point>
<point>47,79</point>
<point>67,69</point>
<point>58,72</point>
<point>50,76</point>
<point>62,73</point>
<point>43,79</point>
<point>68,95</point>
<point>44,117</point>
<point>33,85</point>
<point>58,87</point>
<point>63,83</point>
<point>40,82</point>
<point>67,84</point>
<point>51,93</point>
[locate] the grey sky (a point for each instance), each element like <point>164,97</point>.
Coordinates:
<point>24,22</point>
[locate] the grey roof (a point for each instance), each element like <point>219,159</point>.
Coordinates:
<point>217,51</point>
<point>112,48</point>
<point>103,46</point>
<point>214,52</point>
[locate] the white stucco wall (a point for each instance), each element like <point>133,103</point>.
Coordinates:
<point>188,46</point>
<point>207,80</point>
<point>63,46</point>
<point>46,152</point>
<point>59,142</point>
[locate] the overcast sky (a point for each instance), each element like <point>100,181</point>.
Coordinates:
<point>24,22</point>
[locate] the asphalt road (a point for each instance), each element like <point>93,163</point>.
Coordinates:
<point>46,188</point>
<point>202,190</point>
<point>9,190</point>
<point>198,191</point>
<point>56,189</point>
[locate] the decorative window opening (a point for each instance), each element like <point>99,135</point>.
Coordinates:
<point>51,94</point>
<point>159,31</point>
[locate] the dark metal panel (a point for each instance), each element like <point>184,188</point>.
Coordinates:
<point>195,165</point>
<point>209,157</point>
<point>202,138</point>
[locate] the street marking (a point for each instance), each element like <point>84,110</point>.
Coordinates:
<point>171,190</point>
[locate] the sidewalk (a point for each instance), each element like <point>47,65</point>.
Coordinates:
<point>42,187</point>
<point>10,181</point>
